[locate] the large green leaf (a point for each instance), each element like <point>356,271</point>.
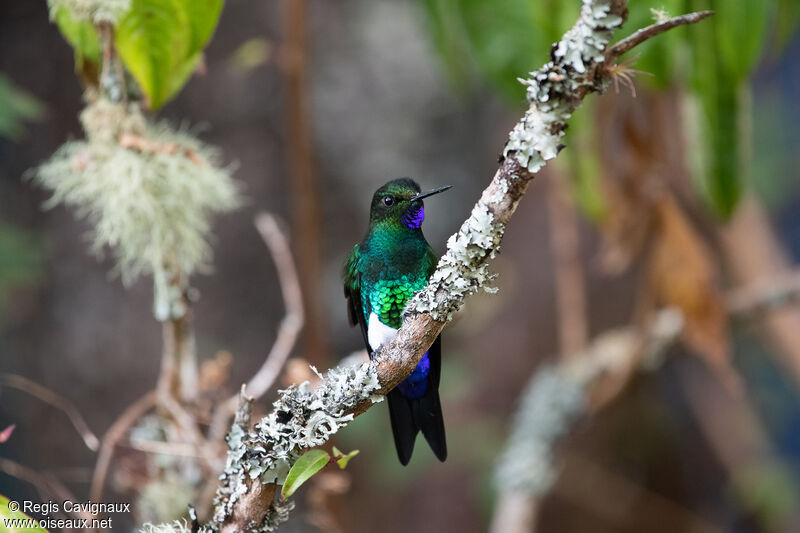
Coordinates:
<point>725,50</point>
<point>9,514</point>
<point>740,29</point>
<point>306,466</point>
<point>161,42</point>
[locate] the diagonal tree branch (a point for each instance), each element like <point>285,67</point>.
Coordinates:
<point>259,459</point>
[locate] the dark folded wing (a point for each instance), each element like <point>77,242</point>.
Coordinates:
<point>355,313</point>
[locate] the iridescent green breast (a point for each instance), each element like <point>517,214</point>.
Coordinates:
<point>387,297</point>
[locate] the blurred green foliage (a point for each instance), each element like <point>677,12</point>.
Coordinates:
<point>16,107</point>
<point>713,60</point>
<point>160,41</point>
<point>20,259</point>
<point>20,252</point>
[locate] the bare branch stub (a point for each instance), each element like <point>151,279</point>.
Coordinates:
<point>640,36</point>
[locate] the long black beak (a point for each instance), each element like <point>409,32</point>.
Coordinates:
<point>425,194</point>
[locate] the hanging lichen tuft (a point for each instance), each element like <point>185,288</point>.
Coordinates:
<point>148,190</point>
<point>94,11</point>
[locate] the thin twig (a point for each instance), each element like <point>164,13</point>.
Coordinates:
<point>47,486</point>
<point>290,326</point>
<point>640,36</point>
<point>117,430</point>
<point>56,400</point>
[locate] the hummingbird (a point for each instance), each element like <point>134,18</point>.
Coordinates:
<point>381,274</point>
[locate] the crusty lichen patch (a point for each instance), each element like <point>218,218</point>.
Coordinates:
<point>553,89</point>
<point>464,268</point>
<point>300,419</point>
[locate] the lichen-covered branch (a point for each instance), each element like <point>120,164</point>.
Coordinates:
<point>259,459</point>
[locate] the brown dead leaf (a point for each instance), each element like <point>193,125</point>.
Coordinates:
<point>681,273</point>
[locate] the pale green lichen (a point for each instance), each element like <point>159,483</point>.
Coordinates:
<point>150,200</point>
<point>500,193</point>
<point>300,419</point>
<point>553,88</point>
<point>94,11</point>
<point>463,269</point>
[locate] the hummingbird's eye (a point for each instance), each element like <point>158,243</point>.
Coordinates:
<point>388,201</point>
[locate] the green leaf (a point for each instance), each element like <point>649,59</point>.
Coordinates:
<point>740,29</point>
<point>719,84</point>
<point>161,42</point>
<point>7,514</point>
<point>306,466</point>
<point>341,458</point>
<point>81,35</point>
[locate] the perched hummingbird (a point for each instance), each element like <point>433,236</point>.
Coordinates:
<point>382,273</point>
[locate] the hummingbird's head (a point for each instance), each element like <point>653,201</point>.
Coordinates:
<point>400,202</point>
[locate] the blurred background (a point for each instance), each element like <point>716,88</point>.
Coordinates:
<point>678,187</point>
